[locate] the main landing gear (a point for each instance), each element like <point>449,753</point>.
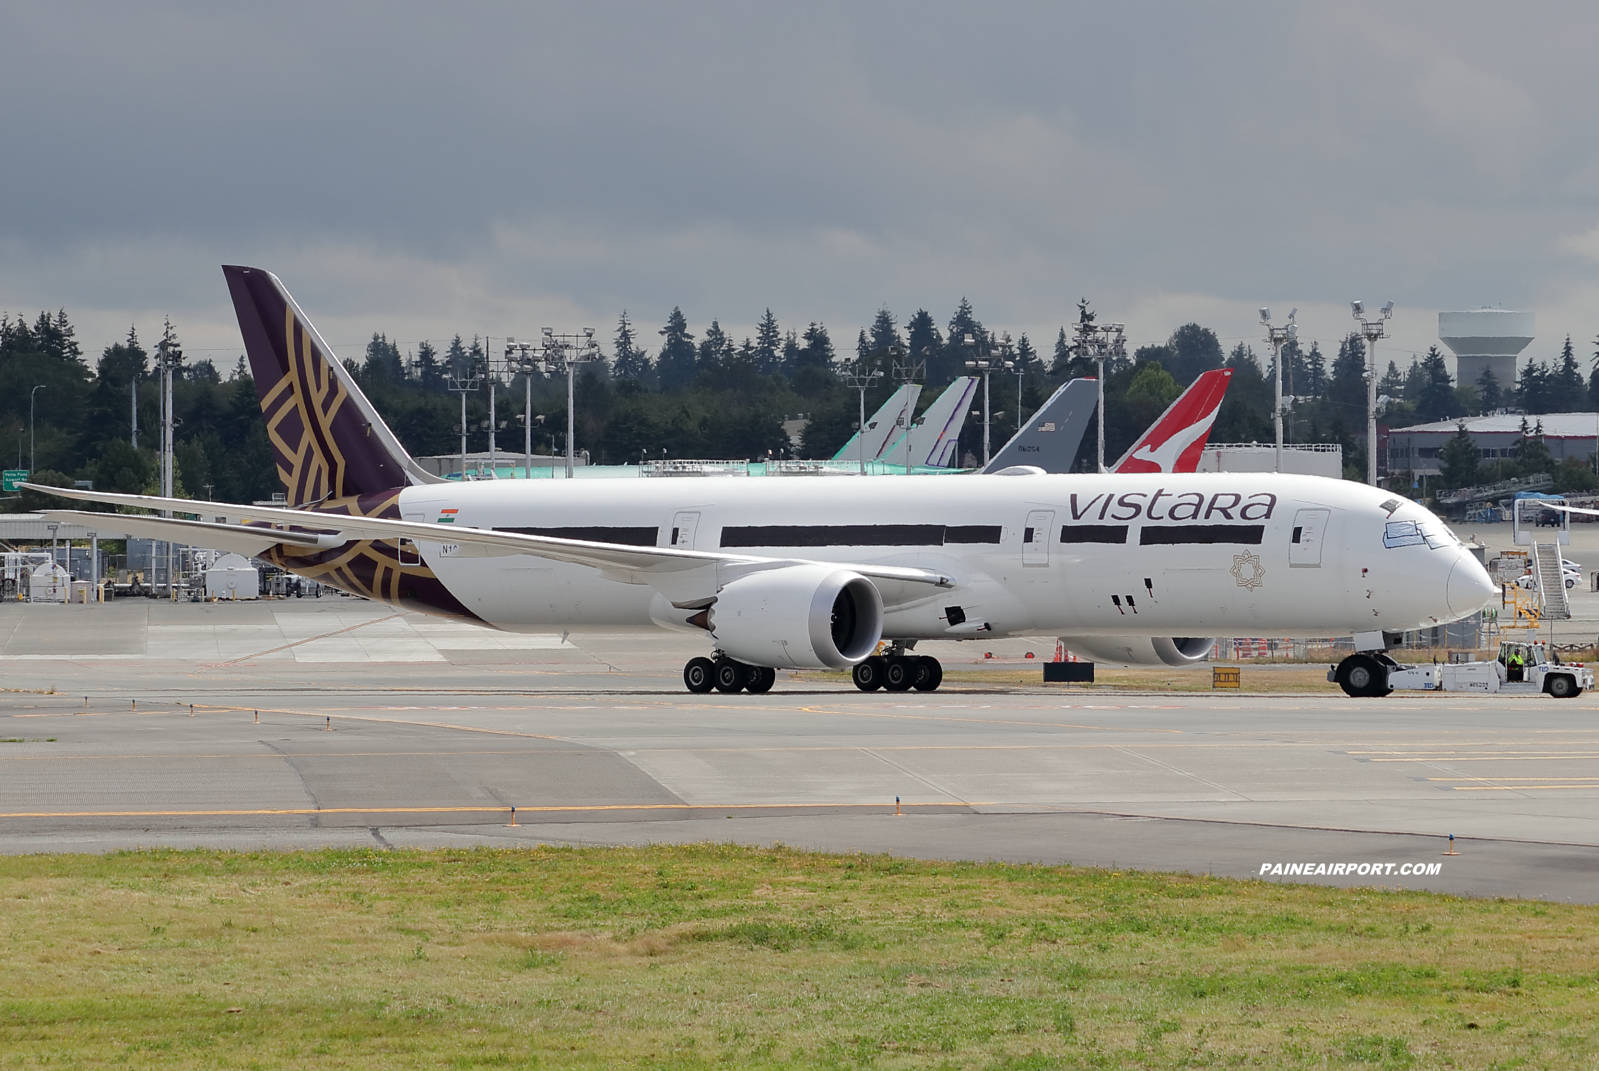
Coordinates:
<point>1365,675</point>
<point>726,675</point>
<point>899,673</point>
<point>892,673</point>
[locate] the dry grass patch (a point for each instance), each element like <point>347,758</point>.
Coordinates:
<point>717,956</point>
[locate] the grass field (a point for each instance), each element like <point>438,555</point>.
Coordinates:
<point>714,956</point>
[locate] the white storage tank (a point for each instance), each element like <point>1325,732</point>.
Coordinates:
<point>1486,339</point>
<point>232,577</point>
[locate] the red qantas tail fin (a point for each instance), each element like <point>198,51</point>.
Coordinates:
<point>1175,441</point>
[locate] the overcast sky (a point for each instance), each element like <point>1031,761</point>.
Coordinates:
<point>423,169</point>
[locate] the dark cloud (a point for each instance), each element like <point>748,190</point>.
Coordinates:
<point>514,160</point>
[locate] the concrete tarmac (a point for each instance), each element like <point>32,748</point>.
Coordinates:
<point>337,722</point>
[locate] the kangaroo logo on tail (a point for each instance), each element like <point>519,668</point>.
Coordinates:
<point>327,439</point>
<point>1175,441</point>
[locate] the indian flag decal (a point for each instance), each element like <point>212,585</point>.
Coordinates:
<point>447,516</point>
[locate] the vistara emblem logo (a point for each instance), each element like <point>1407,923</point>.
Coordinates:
<point>1248,570</point>
<point>447,516</point>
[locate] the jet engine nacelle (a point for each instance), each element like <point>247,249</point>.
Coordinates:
<point>1141,650</point>
<point>798,617</point>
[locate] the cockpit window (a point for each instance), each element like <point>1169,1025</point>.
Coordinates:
<point>1436,535</point>
<point>1415,533</point>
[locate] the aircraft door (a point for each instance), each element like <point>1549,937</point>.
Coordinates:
<point>409,554</point>
<point>1310,528</point>
<point>1035,537</point>
<point>683,525</point>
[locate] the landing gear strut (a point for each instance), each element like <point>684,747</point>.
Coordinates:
<point>727,675</point>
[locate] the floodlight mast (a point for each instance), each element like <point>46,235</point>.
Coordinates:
<point>1277,337</point>
<point>168,357</point>
<point>520,357</point>
<point>856,377</point>
<point>1372,330</point>
<point>463,382</point>
<point>986,365</point>
<point>491,380</point>
<point>907,370</point>
<point>1100,342</point>
<point>565,353</point>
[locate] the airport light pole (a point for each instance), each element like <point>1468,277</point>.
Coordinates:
<point>1100,342</point>
<point>1372,330</point>
<point>519,356</point>
<point>857,378</point>
<point>492,384</point>
<point>168,357</point>
<point>565,353</point>
<point>908,370</point>
<point>1021,374</point>
<point>987,365</point>
<point>31,393</point>
<point>1277,337</point>
<point>463,385</point>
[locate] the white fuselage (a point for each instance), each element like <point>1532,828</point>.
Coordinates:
<point>1195,554</point>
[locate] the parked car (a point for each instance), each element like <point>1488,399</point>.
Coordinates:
<point>1573,578</point>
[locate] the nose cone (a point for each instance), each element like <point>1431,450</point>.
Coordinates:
<point>1470,587</point>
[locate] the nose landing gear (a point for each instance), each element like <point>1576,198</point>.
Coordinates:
<point>1365,675</point>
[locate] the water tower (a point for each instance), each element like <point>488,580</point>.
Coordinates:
<point>1486,339</point>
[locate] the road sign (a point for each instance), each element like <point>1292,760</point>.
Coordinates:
<point>12,477</point>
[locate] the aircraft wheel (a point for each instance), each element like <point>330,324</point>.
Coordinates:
<point>730,675</point>
<point>869,674</point>
<point>899,675</point>
<point>700,674</point>
<point>1560,686</point>
<point>929,674</point>
<point>1363,676</point>
<point>760,679</point>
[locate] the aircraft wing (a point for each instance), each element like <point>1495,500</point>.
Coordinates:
<point>251,529</point>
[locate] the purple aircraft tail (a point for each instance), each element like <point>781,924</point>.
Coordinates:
<point>328,441</point>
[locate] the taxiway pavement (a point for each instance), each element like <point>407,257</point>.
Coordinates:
<point>339,722</point>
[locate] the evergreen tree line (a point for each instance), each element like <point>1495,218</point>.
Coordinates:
<point>700,396</point>
<point>82,420</point>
